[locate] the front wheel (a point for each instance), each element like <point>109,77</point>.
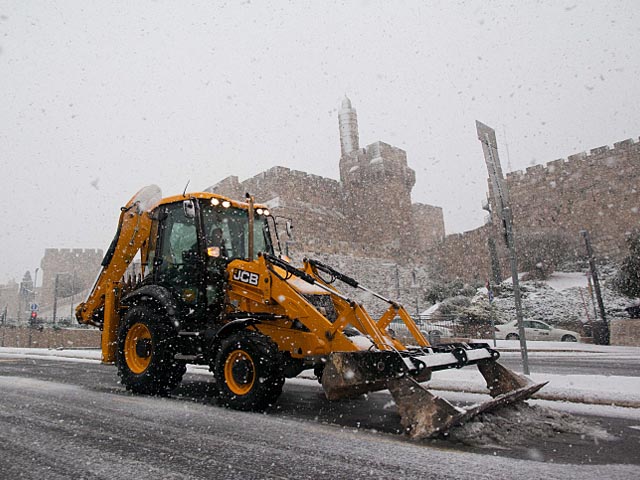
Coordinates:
<point>513,336</point>
<point>569,338</point>
<point>145,356</point>
<point>248,371</point>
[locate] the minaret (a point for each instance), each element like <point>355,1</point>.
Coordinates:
<point>348,122</point>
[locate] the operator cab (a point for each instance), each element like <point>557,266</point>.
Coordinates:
<point>193,240</point>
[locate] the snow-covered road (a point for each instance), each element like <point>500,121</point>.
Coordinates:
<point>70,419</point>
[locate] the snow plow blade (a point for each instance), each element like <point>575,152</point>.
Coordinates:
<point>423,414</point>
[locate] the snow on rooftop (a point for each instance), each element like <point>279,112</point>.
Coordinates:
<point>563,280</point>
<point>431,310</point>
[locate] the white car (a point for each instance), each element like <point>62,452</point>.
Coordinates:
<point>535,330</point>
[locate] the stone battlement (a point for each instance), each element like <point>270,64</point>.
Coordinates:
<point>599,156</point>
<point>283,173</point>
<point>72,251</point>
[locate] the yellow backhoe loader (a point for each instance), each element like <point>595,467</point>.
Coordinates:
<point>214,289</point>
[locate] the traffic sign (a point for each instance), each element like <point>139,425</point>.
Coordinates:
<point>34,307</point>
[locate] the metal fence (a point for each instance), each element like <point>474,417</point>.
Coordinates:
<point>441,328</point>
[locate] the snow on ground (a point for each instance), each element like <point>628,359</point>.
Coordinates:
<point>531,422</point>
<point>587,389</point>
<point>562,299</point>
<point>563,280</point>
<point>590,389</point>
<point>550,414</point>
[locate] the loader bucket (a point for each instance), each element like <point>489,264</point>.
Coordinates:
<point>348,374</point>
<point>425,415</point>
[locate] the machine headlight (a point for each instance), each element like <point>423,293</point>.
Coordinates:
<point>215,201</point>
<point>226,204</point>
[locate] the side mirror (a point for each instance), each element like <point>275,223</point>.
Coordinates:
<point>288,227</point>
<point>189,209</point>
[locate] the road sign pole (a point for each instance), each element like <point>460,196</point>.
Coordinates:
<point>487,137</point>
<point>601,334</point>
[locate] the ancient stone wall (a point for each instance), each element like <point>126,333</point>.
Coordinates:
<point>76,270</point>
<point>407,283</point>
<point>24,337</point>
<point>428,226</point>
<point>463,255</point>
<point>311,202</point>
<point>10,300</point>
<point>598,192</point>
<point>377,197</point>
<point>368,213</point>
<point>625,332</point>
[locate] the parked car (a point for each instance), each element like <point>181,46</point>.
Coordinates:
<point>535,330</point>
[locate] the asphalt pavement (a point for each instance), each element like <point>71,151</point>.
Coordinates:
<point>64,419</point>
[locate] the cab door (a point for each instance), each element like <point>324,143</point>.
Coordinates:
<point>179,260</point>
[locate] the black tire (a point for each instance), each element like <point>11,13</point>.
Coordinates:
<point>513,336</point>
<point>248,371</point>
<point>569,338</point>
<point>146,347</point>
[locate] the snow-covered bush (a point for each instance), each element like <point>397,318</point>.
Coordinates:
<point>627,281</point>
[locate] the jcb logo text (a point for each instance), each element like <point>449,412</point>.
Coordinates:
<point>246,277</point>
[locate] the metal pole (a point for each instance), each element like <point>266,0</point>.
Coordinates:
<point>4,320</point>
<point>55,298</point>
<point>487,137</point>
<point>516,290</point>
<point>495,262</point>
<point>491,313</point>
<point>73,290</point>
<point>602,335</point>
<point>251,222</point>
<point>593,298</point>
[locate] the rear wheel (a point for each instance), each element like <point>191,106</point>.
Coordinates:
<point>569,338</point>
<point>248,371</point>
<point>513,336</point>
<point>146,348</point>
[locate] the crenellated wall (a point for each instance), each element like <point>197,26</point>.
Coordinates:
<point>368,214</point>
<point>76,270</point>
<point>597,191</point>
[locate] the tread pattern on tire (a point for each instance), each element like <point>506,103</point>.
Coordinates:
<point>268,363</point>
<point>164,372</point>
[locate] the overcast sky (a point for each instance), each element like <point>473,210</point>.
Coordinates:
<point>101,98</point>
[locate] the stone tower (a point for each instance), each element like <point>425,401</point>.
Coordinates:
<point>349,139</point>
<point>377,185</point>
